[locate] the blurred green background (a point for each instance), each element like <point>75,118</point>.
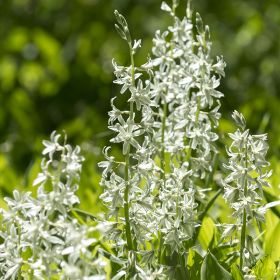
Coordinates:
<point>56,74</point>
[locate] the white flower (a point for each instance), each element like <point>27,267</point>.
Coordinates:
<point>52,146</point>
<point>127,131</point>
<point>44,227</point>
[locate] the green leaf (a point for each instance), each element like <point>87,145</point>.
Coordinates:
<point>211,269</point>
<point>272,243</point>
<point>265,269</point>
<point>194,263</point>
<point>207,207</point>
<point>271,198</point>
<point>206,233</point>
<point>236,273</point>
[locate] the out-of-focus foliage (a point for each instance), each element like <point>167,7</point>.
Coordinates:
<point>55,72</point>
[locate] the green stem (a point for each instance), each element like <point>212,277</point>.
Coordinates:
<point>162,154</point>
<point>183,266</point>
<point>243,235</point>
<point>198,110</point>
<point>127,165</point>
<point>126,206</point>
<point>132,68</point>
<point>177,200</point>
<point>244,218</point>
<point>162,167</point>
<point>19,243</point>
<point>189,152</point>
<point>160,247</point>
<point>210,176</point>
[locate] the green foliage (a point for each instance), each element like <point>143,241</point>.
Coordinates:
<point>236,273</point>
<point>272,242</point>
<point>211,269</point>
<point>194,263</point>
<point>207,233</point>
<point>265,268</point>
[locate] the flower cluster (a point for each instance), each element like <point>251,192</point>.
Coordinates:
<point>248,174</point>
<point>122,180</point>
<point>247,166</point>
<point>184,84</point>
<point>169,150</point>
<point>40,238</point>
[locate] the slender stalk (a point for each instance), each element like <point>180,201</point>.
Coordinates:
<point>19,242</point>
<point>198,110</point>
<point>160,246</point>
<point>243,235</point>
<point>189,152</point>
<point>162,154</point>
<point>244,218</point>
<point>210,176</point>
<point>183,266</point>
<point>162,167</point>
<point>127,165</point>
<point>126,206</point>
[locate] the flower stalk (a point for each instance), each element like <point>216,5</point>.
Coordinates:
<point>127,163</point>
<point>244,218</point>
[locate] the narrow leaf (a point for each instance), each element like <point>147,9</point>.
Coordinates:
<point>194,263</point>
<point>211,269</point>
<point>236,273</point>
<point>272,243</point>
<point>271,198</point>
<point>204,212</point>
<point>206,233</point>
<point>265,269</point>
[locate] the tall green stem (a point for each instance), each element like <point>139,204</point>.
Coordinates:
<point>197,110</point>
<point>19,241</point>
<point>127,165</point>
<point>244,218</point>
<point>162,154</point>
<point>126,206</point>
<point>162,167</point>
<point>243,235</point>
